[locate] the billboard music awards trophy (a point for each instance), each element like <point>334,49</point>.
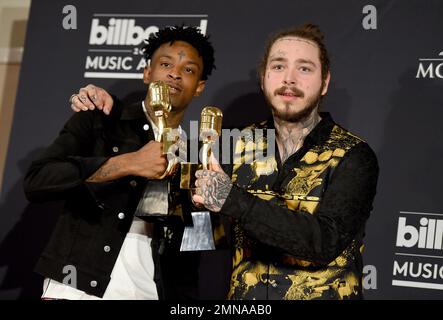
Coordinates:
<point>200,236</point>
<point>154,205</point>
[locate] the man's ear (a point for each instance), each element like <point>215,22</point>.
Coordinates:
<point>200,88</point>
<point>326,84</point>
<point>147,75</point>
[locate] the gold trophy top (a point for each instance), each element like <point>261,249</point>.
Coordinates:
<point>210,122</point>
<point>159,99</point>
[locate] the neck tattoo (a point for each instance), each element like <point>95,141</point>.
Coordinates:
<point>290,136</point>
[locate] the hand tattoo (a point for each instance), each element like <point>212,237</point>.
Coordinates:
<point>214,188</point>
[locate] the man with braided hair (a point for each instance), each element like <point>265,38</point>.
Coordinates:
<point>299,224</point>
<point>99,165</point>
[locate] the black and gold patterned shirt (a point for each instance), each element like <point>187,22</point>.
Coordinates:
<point>299,224</point>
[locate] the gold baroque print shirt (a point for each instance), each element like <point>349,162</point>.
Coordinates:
<point>299,224</point>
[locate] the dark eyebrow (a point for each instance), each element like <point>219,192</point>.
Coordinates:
<point>187,62</point>
<point>193,62</point>
<point>283,59</point>
<point>278,58</point>
<point>307,61</point>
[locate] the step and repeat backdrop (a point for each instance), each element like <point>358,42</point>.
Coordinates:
<point>387,87</point>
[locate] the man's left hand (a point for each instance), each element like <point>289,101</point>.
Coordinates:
<point>212,187</point>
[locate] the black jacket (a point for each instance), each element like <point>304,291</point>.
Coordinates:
<point>96,217</point>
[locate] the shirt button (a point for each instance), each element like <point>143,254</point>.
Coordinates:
<point>133,183</point>
<point>107,248</point>
<point>121,215</point>
<point>146,127</point>
<point>93,283</point>
<point>115,149</point>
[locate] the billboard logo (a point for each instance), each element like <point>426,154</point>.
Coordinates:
<point>430,68</point>
<point>124,32</point>
<point>418,261</point>
<point>115,41</point>
<point>119,32</point>
<point>428,235</point>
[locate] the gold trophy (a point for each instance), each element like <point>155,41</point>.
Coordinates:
<point>210,129</point>
<point>199,236</point>
<point>160,102</point>
<point>155,201</point>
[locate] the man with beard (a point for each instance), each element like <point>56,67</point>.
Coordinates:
<point>100,166</point>
<point>299,223</point>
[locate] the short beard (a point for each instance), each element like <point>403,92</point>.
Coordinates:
<point>303,114</point>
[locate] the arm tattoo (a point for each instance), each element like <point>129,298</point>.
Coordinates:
<point>103,173</point>
<point>215,190</point>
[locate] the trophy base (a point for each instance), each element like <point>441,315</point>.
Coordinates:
<point>198,237</point>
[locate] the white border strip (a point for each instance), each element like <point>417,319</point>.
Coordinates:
<point>415,284</point>
<point>417,255</point>
<point>422,213</point>
<point>11,55</point>
<point>108,50</point>
<point>113,75</point>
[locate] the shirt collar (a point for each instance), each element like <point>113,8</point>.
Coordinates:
<point>152,123</point>
<point>322,130</point>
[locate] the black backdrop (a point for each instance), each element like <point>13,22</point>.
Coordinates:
<point>385,87</point>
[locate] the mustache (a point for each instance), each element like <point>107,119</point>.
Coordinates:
<point>292,89</point>
<point>174,85</point>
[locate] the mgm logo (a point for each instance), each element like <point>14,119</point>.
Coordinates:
<point>430,68</point>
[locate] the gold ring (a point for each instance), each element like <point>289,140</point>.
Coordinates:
<point>72,97</point>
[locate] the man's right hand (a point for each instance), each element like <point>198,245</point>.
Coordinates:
<point>91,97</point>
<point>149,161</point>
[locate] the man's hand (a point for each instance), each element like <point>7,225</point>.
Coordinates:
<point>149,161</point>
<point>91,97</point>
<point>212,187</point>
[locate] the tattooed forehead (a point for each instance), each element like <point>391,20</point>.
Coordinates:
<point>279,52</point>
<point>181,54</point>
<point>311,43</point>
